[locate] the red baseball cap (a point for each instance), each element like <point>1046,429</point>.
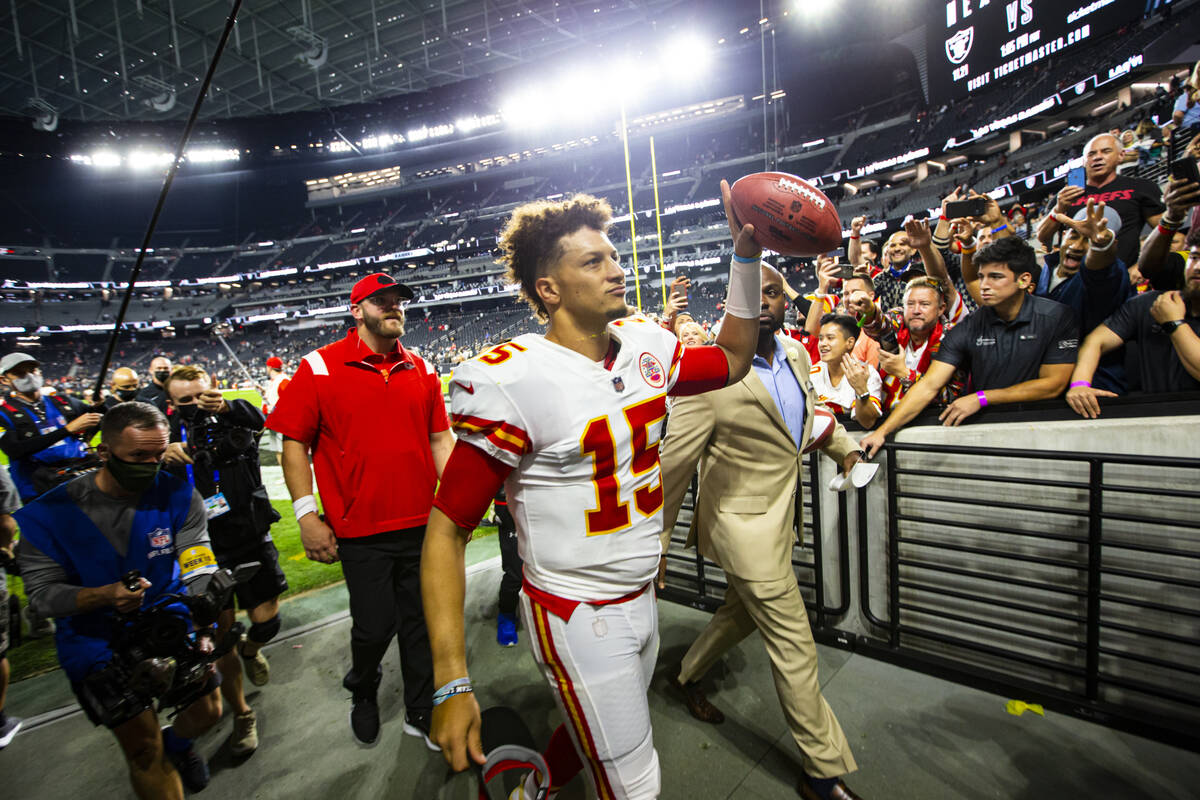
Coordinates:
<point>373,284</point>
<point>274,362</point>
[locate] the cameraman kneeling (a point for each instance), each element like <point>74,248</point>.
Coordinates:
<point>214,444</point>
<point>77,541</point>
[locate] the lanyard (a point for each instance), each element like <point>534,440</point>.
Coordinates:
<point>191,477</point>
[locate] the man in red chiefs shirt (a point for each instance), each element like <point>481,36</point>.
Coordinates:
<point>373,416</point>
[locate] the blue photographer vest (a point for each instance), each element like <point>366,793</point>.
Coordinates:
<point>21,420</point>
<point>55,525</point>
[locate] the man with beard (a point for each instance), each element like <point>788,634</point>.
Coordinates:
<point>156,393</point>
<point>1165,324</point>
<point>1016,347</point>
<point>919,332</point>
<point>1136,201</point>
<point>748,440</point>
<point>897,263</point>
<point>373,416</point>
<point>123,387</point>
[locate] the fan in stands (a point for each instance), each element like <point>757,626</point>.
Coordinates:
<point>789,214</point>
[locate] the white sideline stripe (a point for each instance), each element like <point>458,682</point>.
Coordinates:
<point>68,711</point>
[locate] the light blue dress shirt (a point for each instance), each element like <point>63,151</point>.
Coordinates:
<point>784,389</point>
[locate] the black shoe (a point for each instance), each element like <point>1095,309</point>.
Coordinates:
<point>192,769</point>
<point>364,709</point>
<point>416,723</point>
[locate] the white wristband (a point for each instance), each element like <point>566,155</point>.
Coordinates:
<point>305,505</point>
<point>1103,248</point>
<point>745,289</point>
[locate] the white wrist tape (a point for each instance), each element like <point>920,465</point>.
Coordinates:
<point>305,505</point>
<point>745,289</point>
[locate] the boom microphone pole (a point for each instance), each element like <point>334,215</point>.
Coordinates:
<point>240,365</point>
<point>162,196</point>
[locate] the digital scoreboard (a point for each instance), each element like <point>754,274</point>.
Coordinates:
<point>977,44</point>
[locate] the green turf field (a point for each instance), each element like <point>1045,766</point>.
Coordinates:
<point>37,655</point>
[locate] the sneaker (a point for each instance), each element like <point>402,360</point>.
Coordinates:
<point>257,668</point>
<point>9,730</point>
<point>364,710</point>
<point>192,769</point>
<point>417,724</point>
<point>506,629</point>
<point>244,740</point>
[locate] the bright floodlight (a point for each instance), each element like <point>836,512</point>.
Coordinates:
<point>106,158</point>
<point>686,56</point>
<point>527,110</point>
<point>815,8</point>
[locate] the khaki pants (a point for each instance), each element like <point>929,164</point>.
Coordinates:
<point>776,610</point>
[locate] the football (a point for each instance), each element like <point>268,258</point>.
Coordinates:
<point>789,214</point>
<point>823,425</point>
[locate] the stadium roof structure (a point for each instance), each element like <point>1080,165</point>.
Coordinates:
<point>120,60</point>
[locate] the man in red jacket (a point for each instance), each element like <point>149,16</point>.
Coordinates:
<point>373,417</point>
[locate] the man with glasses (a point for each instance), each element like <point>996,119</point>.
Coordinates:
<point>372,415</point>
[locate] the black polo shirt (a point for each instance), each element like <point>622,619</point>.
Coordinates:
<point>1158,363</point>
<point>1000,354</point>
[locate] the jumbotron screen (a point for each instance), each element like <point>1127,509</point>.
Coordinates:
<point>978,44</point>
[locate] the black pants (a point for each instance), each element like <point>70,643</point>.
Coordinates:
<point>383,576</point>
<point>510,560</point>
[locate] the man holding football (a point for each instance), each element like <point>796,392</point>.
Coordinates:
<point>570,423</point>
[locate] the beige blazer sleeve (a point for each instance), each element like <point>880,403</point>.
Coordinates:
<point>691,424</point>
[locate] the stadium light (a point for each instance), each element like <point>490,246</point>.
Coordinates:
<point>105,159</point>
<point>686,57</point>
<point>143,159</point>
<point>525,111</point>
<point>815,8</point>
<point>209,155</point>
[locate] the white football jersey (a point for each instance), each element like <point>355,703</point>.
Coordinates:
<point>586,490</point>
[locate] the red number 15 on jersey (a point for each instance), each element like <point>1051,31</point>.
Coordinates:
<point>611,514</point>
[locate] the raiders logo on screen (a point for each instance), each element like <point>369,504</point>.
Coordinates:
<point>958,46</point>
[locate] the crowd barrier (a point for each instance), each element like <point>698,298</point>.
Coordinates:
<point>1034,554</point>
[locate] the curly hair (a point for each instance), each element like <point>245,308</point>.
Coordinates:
<point>532,239</point>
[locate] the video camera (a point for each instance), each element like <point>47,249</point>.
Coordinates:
<point>214,443</point>
<point>156,655</point>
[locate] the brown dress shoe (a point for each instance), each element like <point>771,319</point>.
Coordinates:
<point>696,702</point>
<point>840,792</point>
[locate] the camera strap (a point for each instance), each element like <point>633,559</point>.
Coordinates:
<point>216,505</point>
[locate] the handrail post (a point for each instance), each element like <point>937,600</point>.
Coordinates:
<point>1095,525</point>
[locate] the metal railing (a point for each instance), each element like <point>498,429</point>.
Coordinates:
<point>1066,578</point>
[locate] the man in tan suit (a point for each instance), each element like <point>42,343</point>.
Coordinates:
<point>747,439</point>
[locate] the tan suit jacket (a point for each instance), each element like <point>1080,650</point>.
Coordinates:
<point>745,518</point>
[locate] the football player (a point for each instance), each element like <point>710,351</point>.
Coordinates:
<point>570,423</point>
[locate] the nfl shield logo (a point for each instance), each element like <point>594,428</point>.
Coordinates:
<point>618,384</point>
<point>958,46</point>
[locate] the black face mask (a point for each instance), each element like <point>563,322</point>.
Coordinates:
<point>125,395</point>
<point>132,476</point>
<point>161,375</point>
<point>188,412</point>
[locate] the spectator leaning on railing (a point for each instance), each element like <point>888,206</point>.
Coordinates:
<point>1017,347</point>
<point>1165,325</point>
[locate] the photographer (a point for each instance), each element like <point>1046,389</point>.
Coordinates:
<point>78,542</point>
<point>45,436</point>
<point>214,445</point>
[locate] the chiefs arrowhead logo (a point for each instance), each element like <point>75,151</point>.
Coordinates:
<point>958,46</point>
